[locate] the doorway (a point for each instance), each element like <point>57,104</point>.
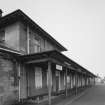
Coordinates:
<point>57,81</point>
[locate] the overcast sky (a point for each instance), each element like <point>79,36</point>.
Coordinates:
<point>79,25</point>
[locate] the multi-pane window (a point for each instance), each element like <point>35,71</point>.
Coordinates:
<point>36,44</point>
<point>38,77</point>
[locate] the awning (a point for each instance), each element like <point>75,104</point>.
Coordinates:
<point>55,57</point>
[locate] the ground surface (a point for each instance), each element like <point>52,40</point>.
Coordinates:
<point>93,96</point>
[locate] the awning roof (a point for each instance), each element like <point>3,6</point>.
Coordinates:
<point>9,50</point>
<point>48,55</point>
<point>54,56</point>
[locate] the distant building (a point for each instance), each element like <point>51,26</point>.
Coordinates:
<point>103,80</point>
<point>31,62</point>
<point>98,79</point>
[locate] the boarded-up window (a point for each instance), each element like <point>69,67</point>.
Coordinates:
<point>36,42</point>
<point>38,77</point>
<point>44,78</point>
<point>68,79</point>
<point>12,72</point>
<point>2,35</point>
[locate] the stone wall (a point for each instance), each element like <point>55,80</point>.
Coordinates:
<point>8,81</point>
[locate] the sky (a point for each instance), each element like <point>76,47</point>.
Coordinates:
<point>79,25</point>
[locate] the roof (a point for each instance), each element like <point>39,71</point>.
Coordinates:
<point>18,15</point>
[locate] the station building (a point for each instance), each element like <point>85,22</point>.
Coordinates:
<point>32,65</point>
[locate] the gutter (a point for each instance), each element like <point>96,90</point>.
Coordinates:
<point>10,51</point>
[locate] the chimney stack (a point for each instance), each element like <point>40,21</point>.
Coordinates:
<point>1,13</point>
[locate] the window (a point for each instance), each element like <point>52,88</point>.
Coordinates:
<point>68,79</point>
<point>36,42</point>
<point>2,35</point>
<point>38,77</point>
<point>42,44</point>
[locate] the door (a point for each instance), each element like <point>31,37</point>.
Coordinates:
<point>57,83</point>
